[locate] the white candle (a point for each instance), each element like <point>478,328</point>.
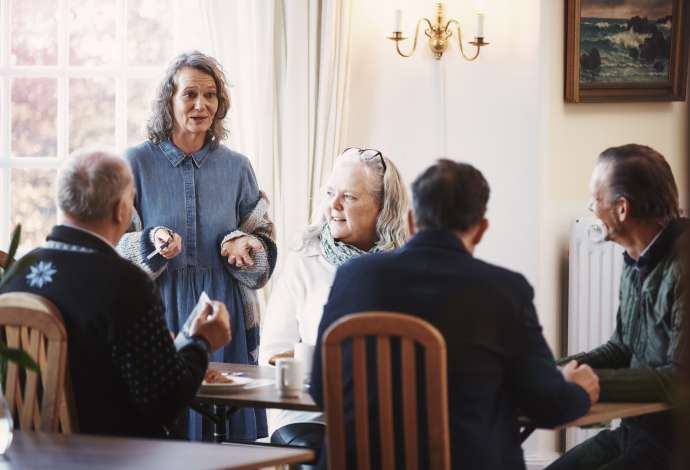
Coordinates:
<point>398,21</point>
<point>480,25</point>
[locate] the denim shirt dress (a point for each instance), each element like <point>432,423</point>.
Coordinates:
<point>202,197</point>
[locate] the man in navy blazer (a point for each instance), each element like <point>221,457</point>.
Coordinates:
<point>499,365</point>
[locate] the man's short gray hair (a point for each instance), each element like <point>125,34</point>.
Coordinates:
<point>91,183</point>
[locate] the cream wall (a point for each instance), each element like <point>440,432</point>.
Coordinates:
<point>505,114</point>
<point>419,109</point>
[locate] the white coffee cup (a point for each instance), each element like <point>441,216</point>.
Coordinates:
<point>304,354</point>
<point>289,377</point>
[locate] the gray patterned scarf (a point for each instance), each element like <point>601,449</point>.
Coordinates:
<point>337,252</point>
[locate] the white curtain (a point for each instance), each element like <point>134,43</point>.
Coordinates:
<point>288,63</point>
<point>329,69</point>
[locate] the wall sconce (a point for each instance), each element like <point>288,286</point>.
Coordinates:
<point>439,34</point>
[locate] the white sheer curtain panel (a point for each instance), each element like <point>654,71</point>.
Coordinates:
<point>329,73</point>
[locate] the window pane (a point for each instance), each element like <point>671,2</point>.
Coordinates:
<point>33,29</point>
<point>92,32</point>
<point>33,204</point>
<point>34,117</point>
<point>149,32</point>
<point>91,112</point>
<point>139,96</point>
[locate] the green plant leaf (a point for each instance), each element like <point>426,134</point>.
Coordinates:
<point>14,244</point>
<point>20,357</point>
<point>11,269</point>
<point>19,266</point>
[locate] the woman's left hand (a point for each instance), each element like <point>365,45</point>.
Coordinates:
<point>239,250</point>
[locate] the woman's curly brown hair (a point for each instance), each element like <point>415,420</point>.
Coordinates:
<point>160,125</point>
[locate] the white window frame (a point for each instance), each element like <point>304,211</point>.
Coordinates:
<point>120,71</point>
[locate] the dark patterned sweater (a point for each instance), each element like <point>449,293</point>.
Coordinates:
<point>128,376</point>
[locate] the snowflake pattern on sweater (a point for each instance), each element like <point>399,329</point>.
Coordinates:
<point>41,274</point>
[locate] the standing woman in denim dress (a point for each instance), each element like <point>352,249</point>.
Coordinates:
<point>201,222</point>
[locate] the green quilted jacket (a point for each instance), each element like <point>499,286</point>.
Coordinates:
<point>639,362</point>
<point>640,358</point>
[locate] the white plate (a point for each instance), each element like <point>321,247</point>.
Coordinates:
<point>237,383</point>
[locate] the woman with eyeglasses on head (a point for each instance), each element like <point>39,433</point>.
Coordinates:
<point>363,210</point>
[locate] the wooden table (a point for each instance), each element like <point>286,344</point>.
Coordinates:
<point>217,406</point>
<point>266,396</point>
<point>602,413</point>
<point>79,451</point>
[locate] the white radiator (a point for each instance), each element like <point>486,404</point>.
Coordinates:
<point>594,277</point>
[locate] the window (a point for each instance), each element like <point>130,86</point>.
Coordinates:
<point>72,73</point>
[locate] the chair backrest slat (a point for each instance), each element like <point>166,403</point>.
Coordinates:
<point>359,377</point>
<point>335,431</point>
<point>67,414</point>
<point>12,373</point>
<point>385,401</point>
<point>409,397</point>
<point>437,361</point>
<point>33,413</point>
<point>411,331</point>
<point>50,410</point>
<point>28,416</point>
<point>41,401</point>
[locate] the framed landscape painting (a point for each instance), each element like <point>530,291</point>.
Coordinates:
<point>626,50</point>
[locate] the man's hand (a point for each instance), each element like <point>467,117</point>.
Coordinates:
<point>584,376</point>
<point>239,250</point>
<point>167,242</point>
<point>213,324</point>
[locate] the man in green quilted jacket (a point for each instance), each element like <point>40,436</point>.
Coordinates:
<point>635,197</point>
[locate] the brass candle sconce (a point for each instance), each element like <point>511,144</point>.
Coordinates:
<point>439,33</point>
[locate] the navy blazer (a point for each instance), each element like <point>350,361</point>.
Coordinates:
<point>499,365</point>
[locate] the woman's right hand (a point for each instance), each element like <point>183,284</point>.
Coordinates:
<point>167,242</point>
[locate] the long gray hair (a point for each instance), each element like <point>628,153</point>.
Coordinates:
<point>160,124</point>
<point>389,191</point>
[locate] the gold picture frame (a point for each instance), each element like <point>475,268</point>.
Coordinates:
<point>611,58</point>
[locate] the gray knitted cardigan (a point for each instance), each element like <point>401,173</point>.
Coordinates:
<point>137,243</point>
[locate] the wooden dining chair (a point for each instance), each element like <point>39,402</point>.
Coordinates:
<point>40,401</point>
<point>383,326</point>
